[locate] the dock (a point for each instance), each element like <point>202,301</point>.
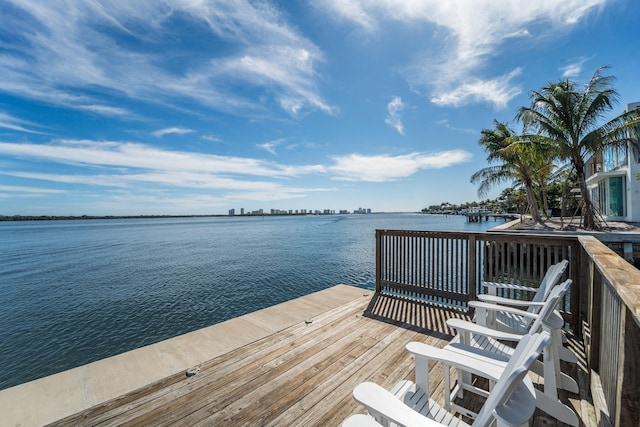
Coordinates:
<point>479,216</point>
<point>292,364</point>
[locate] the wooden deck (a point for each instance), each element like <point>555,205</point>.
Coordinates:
<point>302,375</point>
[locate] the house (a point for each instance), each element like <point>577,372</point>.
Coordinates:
<point>611,179</point>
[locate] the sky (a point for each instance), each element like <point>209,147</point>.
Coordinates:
<point>196,107</point>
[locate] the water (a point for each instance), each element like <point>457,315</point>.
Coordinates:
<point>73,292</point>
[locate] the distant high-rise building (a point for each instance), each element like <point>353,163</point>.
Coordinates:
<point>241,211</point>
<point>232,212</point>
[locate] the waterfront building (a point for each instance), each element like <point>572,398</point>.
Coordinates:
<point>232,212</point>
<point>611,177</point>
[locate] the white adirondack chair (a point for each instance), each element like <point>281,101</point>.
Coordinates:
<point>486,343</point>
<point>510,322</point>
<point>510,403</point>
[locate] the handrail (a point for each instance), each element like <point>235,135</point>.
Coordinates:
<point>610,310</point>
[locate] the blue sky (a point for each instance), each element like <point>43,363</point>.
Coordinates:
<point>197,107</point>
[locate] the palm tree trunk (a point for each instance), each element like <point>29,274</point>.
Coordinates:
<point>533,203</point>
<point>587,205</point>
<point>545,200</point>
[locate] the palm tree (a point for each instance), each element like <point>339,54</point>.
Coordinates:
<point>517,162</point>
<point>569,120</point>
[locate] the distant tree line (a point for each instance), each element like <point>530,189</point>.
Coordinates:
<point>72,217</point>
<point>514,200</point>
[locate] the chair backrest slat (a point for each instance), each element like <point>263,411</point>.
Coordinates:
<point>512,379</point>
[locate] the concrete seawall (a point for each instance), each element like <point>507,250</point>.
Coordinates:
<point>621,237</point>
<point>57,396</point>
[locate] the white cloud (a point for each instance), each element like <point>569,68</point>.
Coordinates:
<point>71,49</point>
<point>211,138</point>
<point>448,125</point>
<point>139,156</point>
<point>10,122</point>
<point>270,146</point>
<point>22,189</point>
<point>393,118</point>
<point>106,110</point>
<point>170,131</point>
<point>574,69</point>
<point>497,91</point>
<point>125,166</point>
<point>381,168</point>
<point>349,10</point>
<point>470,33</point>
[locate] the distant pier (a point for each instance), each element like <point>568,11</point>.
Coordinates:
<point>479,216</point>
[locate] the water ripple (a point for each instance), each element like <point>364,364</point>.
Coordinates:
<point>72,292</point>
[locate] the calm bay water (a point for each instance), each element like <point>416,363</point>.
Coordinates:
<point>73,292</point>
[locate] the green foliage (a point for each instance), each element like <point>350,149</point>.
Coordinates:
<point>565,123</point>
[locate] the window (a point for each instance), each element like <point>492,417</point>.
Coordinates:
<point>599,196</point>
<point>616,196</point>
<point>614,158</point>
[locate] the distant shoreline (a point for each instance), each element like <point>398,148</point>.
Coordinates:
<point>80,217</point>
<point>75,217</point>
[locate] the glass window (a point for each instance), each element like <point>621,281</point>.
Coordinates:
<point>616,196</point>
<point>613,158</point>
<point>598,197</point>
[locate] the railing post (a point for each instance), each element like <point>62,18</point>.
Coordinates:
<point>378,261</point>
<point>630,381</point>
<point>580,278</point>
<point>471,264</point>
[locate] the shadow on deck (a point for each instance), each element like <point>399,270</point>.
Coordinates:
<point>303,375</point>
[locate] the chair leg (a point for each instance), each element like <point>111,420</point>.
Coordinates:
<point>556,409</point>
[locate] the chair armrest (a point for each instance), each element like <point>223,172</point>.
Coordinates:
<point>360,420</point>
<point>508,286</point>
<point>465,359</point>
<point>379,401</point>
<point>502,308</point>
<point>493,299</point>
<point>465,326</point>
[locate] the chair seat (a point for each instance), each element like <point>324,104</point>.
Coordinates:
<point>512,400</point>
<point>418,400</point>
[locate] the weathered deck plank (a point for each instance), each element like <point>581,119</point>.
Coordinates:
<point>302,375</point>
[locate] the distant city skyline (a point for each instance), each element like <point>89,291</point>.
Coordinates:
<point>195,108</point>
<point>233,212</point>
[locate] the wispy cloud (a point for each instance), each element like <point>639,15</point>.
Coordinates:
<point>448,125</point>
<point>498,91</point>
<point>144,170</point>
<point>474,31</point>
<point>270,146</point>
<point>574,69</point>
<point>36,190</point>
<point>107,110</point>
<point>139,156</point>
<point>211,138</point>
<point>72,48</point>
<point>381,168</point>
<point>171,131</point>
<point>7,121</point>
<point>127,165</point>
<point>393,119</point>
